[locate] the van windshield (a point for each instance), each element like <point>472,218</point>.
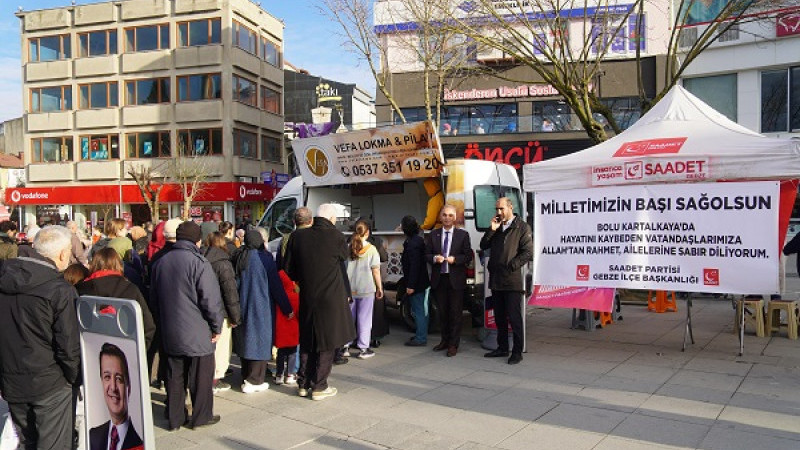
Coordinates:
<point>485,198</point>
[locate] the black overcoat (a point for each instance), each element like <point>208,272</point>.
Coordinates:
<point>315,259</point>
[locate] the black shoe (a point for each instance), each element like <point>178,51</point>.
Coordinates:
<point>496,354</point>
<point>340,360</point>
<point>415,343</point>
<point>515,358</point>
<point>213,421</point>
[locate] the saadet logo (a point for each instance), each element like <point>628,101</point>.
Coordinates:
<point>711,277</point>
<point>582,272</point>
<point>650,147</point>
<point>633,170</point>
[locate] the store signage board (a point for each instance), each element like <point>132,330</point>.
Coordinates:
<point>695,237</point>
<point>397,152</point>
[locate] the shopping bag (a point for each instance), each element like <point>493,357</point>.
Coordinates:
<point>8,439</point>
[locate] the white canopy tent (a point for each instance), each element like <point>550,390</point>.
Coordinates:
<point>680,140</point>
<point>725,149</point>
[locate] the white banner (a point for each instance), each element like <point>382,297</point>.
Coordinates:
<point>696,237</point>
<point>380,154</point>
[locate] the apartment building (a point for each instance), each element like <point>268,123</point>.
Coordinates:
<point>112,85</point>
<point>514,116</point>
<point>752,72</point>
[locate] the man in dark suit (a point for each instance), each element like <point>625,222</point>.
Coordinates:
<point>448,251</point>
<point>116,390</point>
<point>510,248</point>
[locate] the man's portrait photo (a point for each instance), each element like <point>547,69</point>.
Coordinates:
<point>119,432</point>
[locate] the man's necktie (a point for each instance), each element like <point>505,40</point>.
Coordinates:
<point>445,250</point>
<point>114,438</point>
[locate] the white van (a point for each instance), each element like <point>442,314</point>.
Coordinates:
<point>473,186</point>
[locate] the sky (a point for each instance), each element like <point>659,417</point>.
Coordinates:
<point>311,41</point>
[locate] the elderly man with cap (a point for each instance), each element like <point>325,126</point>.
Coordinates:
<point>185,292</point>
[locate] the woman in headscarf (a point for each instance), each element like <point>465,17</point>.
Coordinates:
<point>260,290</point>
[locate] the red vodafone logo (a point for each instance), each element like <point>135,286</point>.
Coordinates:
<point>582,272</point>
<point>711,277</point>
<point>650,147</point>
<point>16,196</point>
<point>242,192</point>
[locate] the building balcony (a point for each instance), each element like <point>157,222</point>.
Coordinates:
<point>245,167</point>
<point>190,6</point>
<point>95,13</point>
<point>97,118</point>
<point>49,121</point>
<point>48,70</point>
<point>144,9</point>
<point>146,114</point>
<point>96,66</point>
<point>204,55</point>
<point>51,172</point>
<point>271,73</point>
<point>46,19</point>
<point>200,111</point>
<point>146,61</point>
<point>247,114</point>
<point>98,170</point>
<point>245,61</point>
<point>272,122</point>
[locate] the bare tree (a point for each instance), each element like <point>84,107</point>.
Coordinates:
<point>542,35</point>
<point>355,19</point>
<point>150,180</point>
<point>191,174</point>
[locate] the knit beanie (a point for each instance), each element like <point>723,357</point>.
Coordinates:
<point>189,231</point>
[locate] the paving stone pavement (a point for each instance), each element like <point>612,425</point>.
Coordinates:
<point>626,386</point>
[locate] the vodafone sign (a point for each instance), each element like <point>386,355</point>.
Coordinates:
<point>129,193</point>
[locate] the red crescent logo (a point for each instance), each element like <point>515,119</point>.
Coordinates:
<point>711,277</point>
<point>582,272</point>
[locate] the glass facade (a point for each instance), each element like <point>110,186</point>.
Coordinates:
<point>146,92</point>
<point>51,149</point>
<point>780,100</point>
<point>244,90</point>
<point>49,48</point>
<point>147,38</point>
<point>98,95</point>
<point>719,92</point>
<point>200,142</point>
<point>100,147</point>
<point>199,87</point>
<point>56,98</point>
<point>245,144</point>
<point>97,43</point>
<point>153,144</point>
<point>200,32</point>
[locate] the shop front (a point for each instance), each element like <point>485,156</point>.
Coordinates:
<point>91,205</point>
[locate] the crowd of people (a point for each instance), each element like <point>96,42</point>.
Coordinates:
<point>208,291</point>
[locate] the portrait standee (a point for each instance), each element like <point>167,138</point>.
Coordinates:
<point>117,407</point>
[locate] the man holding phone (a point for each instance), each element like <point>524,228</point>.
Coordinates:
<point>511,247</point>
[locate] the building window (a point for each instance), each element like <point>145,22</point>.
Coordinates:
<point>270,100</point>
<point>146,92</point>
<point>200,142</point>
<point>719,92</point>
<point>97,43</point>
<point>200,32</point>
<point>199,87</point>
<point>98,95</point>
<point>146,38</point>
<point>153,144</point>
<point>626,111</point>
<point>47,99</point>
<point>245,144</point>
<point>49,48</point>
<point>780,100</point>
<point>244,38</point>
<point>244,91</point>
<point>100,147</point>
<point>618,34</point>
<point>270,52</point>
<point>52,149</point>
<point>270,149</point>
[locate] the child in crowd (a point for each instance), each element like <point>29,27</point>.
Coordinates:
<point>287,336</point>
<point>364,273</point>
<point>76,273</point>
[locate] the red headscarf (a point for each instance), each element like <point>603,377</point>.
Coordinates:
<point>157,241</point>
